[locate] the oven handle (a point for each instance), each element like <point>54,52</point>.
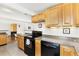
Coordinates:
<point>51,46</point>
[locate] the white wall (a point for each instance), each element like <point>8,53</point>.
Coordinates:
<point>74,32</point>
<point>24,25</point>
<point>5,23</point>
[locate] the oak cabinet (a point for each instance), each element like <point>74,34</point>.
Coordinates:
<point>43,16</point>
<point>38,18</point>
<point>67,51</point>
<point>13,27</point>
<point>35,19</point>
<point>76,14</point>
<point>3,39</point>
<point>67,14</point>
<point>38,46</point>
<point>60,15</point>
<point>20,42</point>
<point>52,17</point>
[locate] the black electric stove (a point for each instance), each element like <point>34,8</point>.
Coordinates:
<point>29,43</point>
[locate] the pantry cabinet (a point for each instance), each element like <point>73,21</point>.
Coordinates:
<point>13,27</point>
<point>67,51</point>
<point>67,14</point>
<point>20,42</point>
<point>76,14</point>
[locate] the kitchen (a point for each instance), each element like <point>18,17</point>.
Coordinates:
<point>39,29</point>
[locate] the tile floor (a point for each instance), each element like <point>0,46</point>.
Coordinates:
<point>11,49</point>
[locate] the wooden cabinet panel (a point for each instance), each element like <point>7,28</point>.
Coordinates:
<point>39,18</point>
<point>35,19</point>
<point>37,47</point>
<point>21,42</point>
<point>59,15</point>
<point>52,17</point>
<point>43,16</point>
<point>14,27</point>
<point>3,39</point>
<point>76,14</point>
<point>67,51</point>
<point>67,14</point>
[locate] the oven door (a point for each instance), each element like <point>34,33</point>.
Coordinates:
<point>29,46</point>
<point>28,43</point>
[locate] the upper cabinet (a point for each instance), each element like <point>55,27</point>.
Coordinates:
<point>76,14</point>
<point>52,17</point>
<point>43,16</point>
<point>13,27</point>
<point>35,19</point>
<point>67,14</point>
<point>39,17</point>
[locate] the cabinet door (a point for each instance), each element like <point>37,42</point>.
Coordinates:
<point>0,40</point>
<point>34,19</point>
<point>22,43</point>
<point>67,51</point>
<point>43,16</point>
<point>67,14</point>
<point>76,14</point>
<point>13,27</point>
<point>52,17</point>
<point>37,47</point>
<point>38,18</point>
<point>3,39</point>
<point>18,42</point>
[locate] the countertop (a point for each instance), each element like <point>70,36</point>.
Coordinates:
<point>3,33</point>
<point>63,41</point>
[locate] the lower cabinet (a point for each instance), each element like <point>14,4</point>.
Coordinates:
<point>3,39</point>
<point>67,51</point>
<point>37,47</point>
<point>21,42</point>
<point>64,50</point>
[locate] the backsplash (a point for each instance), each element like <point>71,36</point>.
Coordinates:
<point>58,31</point>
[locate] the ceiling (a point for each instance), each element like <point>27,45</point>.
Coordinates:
<point>19,11</point>
<point>36,7</point>
<point>25,8</point>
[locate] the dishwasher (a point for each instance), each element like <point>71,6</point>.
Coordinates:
<point>50,49</point>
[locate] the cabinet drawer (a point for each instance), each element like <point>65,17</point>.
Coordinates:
<point>67,51</point>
